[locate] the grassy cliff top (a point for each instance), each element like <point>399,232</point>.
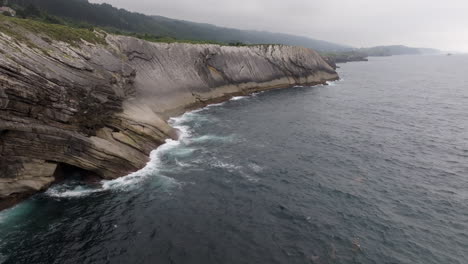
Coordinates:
<point>11,25</point>
<point>70,34</point>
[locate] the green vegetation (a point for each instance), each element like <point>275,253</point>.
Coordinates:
<point>5,28</point>
<point>40,22</point>
<point>81,13</point>
<point>58,27</point>
<point>53,31</point>
<point>153,38</point>
<point>64,29</point>
<point>53,28</point>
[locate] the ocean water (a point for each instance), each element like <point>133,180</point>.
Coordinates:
<point>369,169</point>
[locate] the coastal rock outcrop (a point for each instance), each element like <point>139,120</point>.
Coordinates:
<point>102,107</point>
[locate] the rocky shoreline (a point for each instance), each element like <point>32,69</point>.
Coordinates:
<point>345,57</point>
<point>101,108</point>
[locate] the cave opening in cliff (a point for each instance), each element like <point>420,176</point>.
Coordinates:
<point>66,171</point>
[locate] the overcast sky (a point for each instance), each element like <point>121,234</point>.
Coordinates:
<point>441,24</point>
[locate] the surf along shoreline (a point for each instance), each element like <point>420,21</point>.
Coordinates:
<point>97,185</point>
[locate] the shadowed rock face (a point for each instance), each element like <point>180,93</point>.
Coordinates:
<point>103,108</point>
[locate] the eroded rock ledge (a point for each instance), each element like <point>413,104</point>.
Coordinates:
<point>103,108</point>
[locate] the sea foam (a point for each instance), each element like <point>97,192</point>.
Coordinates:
<point>155,166</point>
<point>235,98</point>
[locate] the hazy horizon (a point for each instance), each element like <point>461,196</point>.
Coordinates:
<point>360,23</point>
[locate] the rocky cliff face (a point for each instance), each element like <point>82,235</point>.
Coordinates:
<point>101,108</point>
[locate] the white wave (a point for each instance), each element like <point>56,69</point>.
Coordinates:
<point>334,83</point>
<point>177,123</point>
<point>224,165</point>
<point>78,191</point>
<point>151,168</point>
<point>128,182</point>
<point>183,164</point>
<point>180,122</point>
<point>237,169</point>
<point>213,105</point>
<point>235,98</point>
<point>207,138</point>
<point>154,166</point>
<point>182,152</point>
<point>256,168</point>
<point>187,116</point>
<point>249,177</point>
<point>257,93</point>
<point>193,117</point>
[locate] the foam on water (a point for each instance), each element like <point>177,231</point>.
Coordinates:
<point>256,94</point>
<point>334,83</point>
<point>256,168</point>
<point>182,164</point>
<point>129,182</point>
<point>193,116</point>
<point>125,183</point>
<point>65,190</point>
<point>182,152</point>
<point>213,105</point>
<point>248,176</point>
<point>211,138</point>
<point>167,158</point>
<point>180,122</point>
<point>362,171</point>
<point>151,169</point>
<point>224,165</point>
<point>154,167</point>
<point>174,148</point>
<point>235,98</point>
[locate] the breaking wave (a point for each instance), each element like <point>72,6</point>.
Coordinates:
<point>235,98</point>
<point>154,168</point>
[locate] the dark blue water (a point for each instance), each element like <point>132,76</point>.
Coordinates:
<point>371,169</point>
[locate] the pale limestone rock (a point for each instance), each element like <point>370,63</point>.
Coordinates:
<point>103,108</point>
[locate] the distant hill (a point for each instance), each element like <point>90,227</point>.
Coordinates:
<point>191,30</point>
<point>379,51</point>
<point>395,50</point>
<point>83,13</point>
<point>107,16</point>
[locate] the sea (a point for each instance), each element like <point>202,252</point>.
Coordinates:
<point>372,168</point>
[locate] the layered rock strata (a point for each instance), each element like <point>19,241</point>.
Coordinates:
<point>101,108</point>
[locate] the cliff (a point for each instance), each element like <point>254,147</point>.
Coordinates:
<point>74,99</point>
<point>343,57</point>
